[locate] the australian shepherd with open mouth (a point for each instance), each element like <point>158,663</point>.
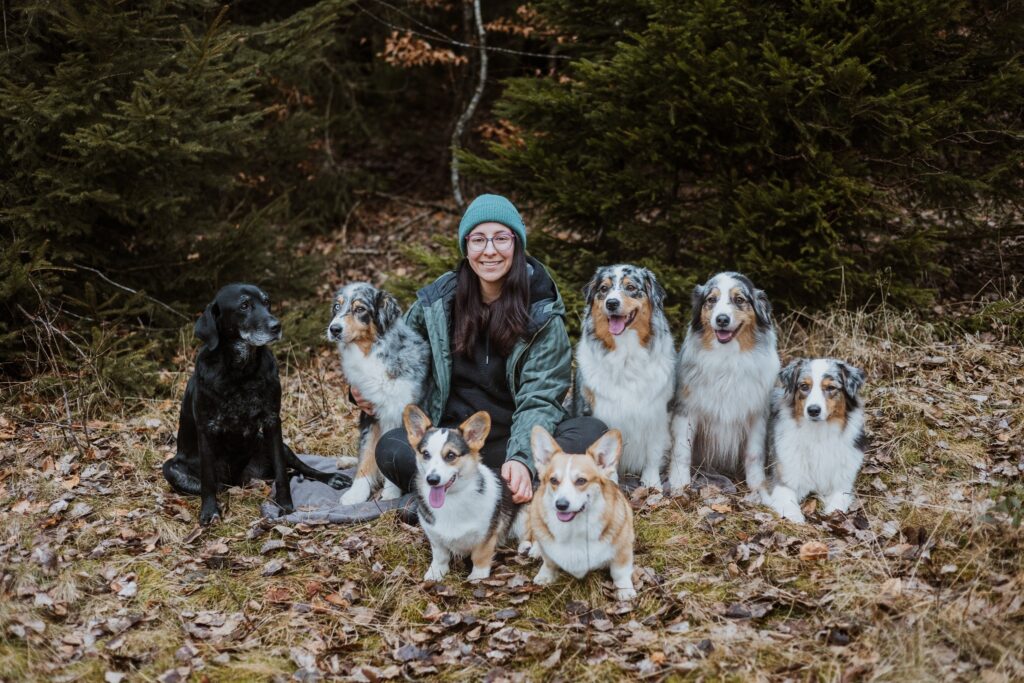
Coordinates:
<point>816,435</point>
<point>625,363</point>
<point>727,368</point>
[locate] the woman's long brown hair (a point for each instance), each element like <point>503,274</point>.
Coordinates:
<point>504,321</point>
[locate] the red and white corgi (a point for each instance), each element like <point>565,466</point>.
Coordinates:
<point>579,519</point>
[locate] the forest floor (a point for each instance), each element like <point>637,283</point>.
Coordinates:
<point>107,576</point>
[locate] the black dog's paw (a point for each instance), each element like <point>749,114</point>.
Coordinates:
<point>339,481</point>
<point>209,514</point>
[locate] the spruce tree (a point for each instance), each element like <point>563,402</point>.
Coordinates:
<point>814,146</point>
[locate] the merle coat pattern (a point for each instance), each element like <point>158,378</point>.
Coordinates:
<point>386,362</point>
<point>229,430</point>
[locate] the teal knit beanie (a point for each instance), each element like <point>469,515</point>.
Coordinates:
<point>487,208</point>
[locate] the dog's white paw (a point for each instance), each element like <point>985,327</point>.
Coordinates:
<point>479,574</point>
<point>435,573</point>
<point>390,491</point>
<point>358,493</point>
<point>545,576</point>
<point>625,593</point>
<point>525,548</point>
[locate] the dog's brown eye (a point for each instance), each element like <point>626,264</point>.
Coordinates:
<point>712,300</point>
<point>805,387</point>
<point>425,454</point>
<point>554,481</point>
<point>449,457</point>
<point>581,481</point>
<point>244,306</point>
<point>740,301</point>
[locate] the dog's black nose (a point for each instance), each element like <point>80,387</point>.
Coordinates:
<point>275,327</point>
<point>814,411</point>
<point>722,320</point>
<point>562,504</point>
<point>434,479</point>
<point>335,329</point>
<point>612,304</point>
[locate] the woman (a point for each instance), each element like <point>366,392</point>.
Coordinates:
<point>496,329</point>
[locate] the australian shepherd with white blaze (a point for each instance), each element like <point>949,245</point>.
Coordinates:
<point>727,368</point>
<point>464,507</point>
<point>816,435</point>
<point>387,363</point>
<point>625,363</point>
<point>579,519</point>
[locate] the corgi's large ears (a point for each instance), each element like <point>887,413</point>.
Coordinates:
<point>475,429</point>
<point>607,449</point>
<point>543,445</point>
<point>416,424</point>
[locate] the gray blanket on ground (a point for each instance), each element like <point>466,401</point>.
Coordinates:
<point>317,503</point>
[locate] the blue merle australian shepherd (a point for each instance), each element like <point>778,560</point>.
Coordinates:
<point>624,366</point>
<point>386,362</point>
<point>727,367</point>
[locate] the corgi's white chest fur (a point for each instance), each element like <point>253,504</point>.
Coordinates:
<point>463,522</point>
<point>631,386</point>
<point>576,546</point>
<point>817,457</point>
<point>367,373</point>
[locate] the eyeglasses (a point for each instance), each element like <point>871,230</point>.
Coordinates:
<point>477,243</point>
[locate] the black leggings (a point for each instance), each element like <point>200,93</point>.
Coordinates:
<point>397,460</point>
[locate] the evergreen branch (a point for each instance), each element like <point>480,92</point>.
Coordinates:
<point>133,291</point>
<point>451,41</point>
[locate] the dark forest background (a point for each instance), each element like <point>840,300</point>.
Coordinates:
<point>857,153</point>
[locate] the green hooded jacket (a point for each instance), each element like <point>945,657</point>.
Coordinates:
<point>538,368</point>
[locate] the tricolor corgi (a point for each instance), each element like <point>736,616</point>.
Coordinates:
<point>464,506</point>
<point>579,519</point>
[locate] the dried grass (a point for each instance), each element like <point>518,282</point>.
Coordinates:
<point>923,582</point>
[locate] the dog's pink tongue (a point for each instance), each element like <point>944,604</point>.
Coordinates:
<point>565,516</point>
<point>616,324</point>
<point>723,335</point>
<point>436,497</point>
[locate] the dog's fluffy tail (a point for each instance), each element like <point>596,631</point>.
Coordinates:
<point>179,478</point>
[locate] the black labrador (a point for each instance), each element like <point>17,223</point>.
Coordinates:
<point>230,426</point>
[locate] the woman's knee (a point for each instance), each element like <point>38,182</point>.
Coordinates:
<point>393,450</point>
<point>576,434</point>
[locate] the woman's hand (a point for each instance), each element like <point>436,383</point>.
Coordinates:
<point>519,480</point>
<point>363,404</point>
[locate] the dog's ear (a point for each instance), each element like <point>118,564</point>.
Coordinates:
<point>387,310</point>
<point>789,375</point>
<point>206,326</point>
<point>591,287</point>
<point>654,288</point>
<point>475,429</point>
<point>762,308</point>
<point>853,379</point>
<point>416,424</point>
<point>543,445</point>
<point>607,449</point>
<point>696,305</point>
